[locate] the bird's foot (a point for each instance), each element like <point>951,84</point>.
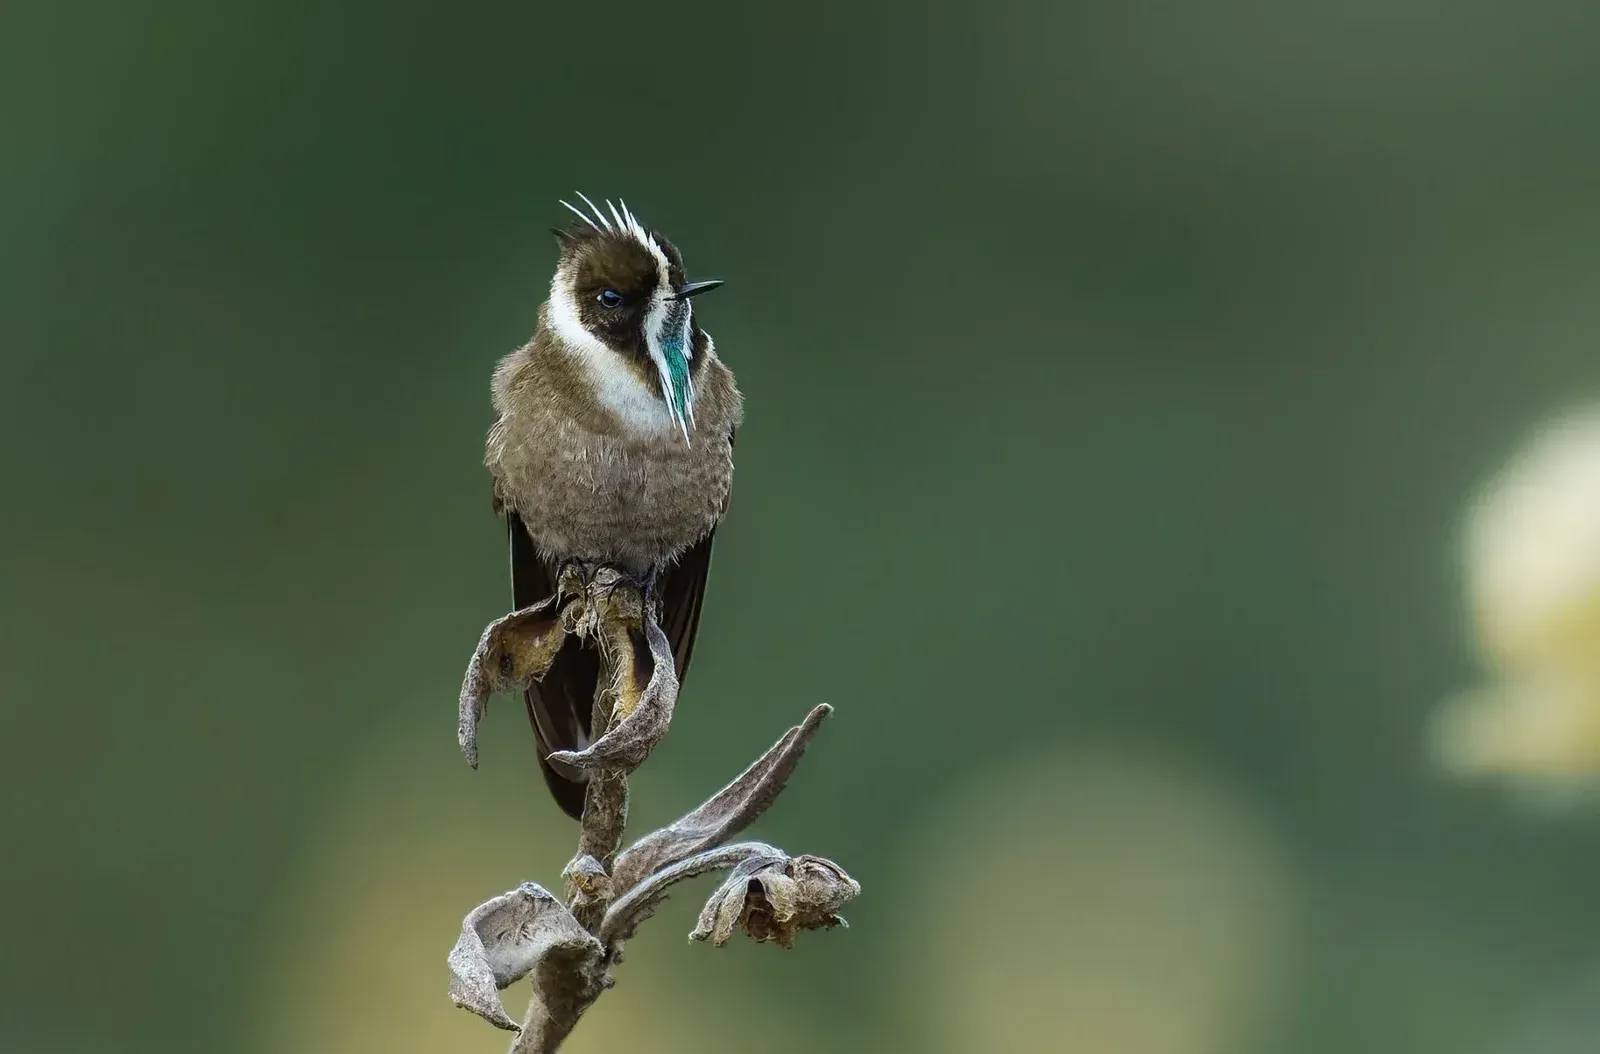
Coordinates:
<point>577,573</point>
<point>574,576</point>
<point>644,581</point>
<point>603,579</point>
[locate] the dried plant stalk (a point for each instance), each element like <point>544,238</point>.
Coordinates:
<point>567,950</point>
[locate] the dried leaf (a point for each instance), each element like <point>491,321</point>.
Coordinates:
<point>510,936</point>
<point>772,900</point>
<point>725,814</point>
<point>645,712</point>
<point>514,650</point>
<point>627,912</point>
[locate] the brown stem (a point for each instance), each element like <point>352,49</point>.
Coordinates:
<point>605,814</point>
<point>605,802</point>
<point>562,991</point>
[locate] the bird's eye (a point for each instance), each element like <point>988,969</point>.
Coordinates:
<point>610,298</point>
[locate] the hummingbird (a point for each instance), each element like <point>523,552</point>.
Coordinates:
<point>612,443</point>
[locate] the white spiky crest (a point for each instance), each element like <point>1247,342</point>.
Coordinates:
<point>622,223</point>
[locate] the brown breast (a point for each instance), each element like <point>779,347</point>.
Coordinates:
<point>588,488</point>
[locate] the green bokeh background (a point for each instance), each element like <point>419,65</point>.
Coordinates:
<point>1116,374</point>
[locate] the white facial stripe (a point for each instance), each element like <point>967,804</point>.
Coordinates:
<point>658,318</point>
<point>641,410</point>
<point>619,388</point>
<point>652,341</point>
<point>657,322</point>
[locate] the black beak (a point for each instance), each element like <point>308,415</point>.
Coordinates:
<point>688,289</point>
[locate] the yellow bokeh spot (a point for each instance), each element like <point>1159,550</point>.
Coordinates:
<point>1083,902</point>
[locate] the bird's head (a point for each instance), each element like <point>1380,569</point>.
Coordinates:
<point>620,292</point>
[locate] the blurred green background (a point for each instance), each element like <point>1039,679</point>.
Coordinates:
<point>1116,373</point>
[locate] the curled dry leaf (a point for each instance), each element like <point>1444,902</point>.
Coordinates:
<point>645,693</point>
<point>606,609</point>
<point>511,936</point>
<point>772,900</point>
<point>514,650</point>
<point>640,902</point>
<point>722,816</point>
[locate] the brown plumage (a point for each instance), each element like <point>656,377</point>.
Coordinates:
<point>590,462</point>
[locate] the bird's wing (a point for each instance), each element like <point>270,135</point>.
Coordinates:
<point>683,587</point>
<point>559,704</point>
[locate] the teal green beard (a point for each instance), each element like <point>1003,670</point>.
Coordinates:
<point>678,377</point>
<point>675,350</point>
